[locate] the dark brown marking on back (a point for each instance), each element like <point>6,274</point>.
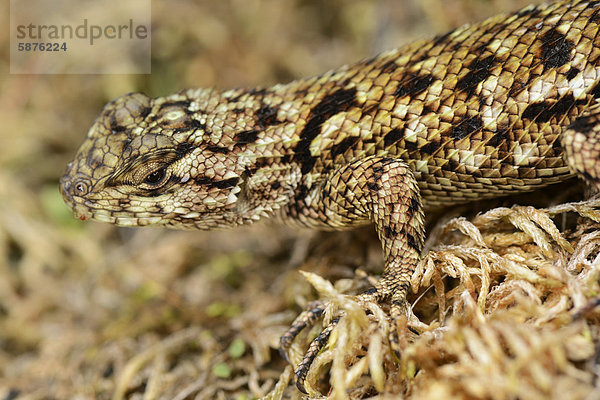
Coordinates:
<point>545,111</point>
<point>344,145</point>
<point>389,67</point>
<point>466,126</point>
<point>331,104</point>
<point>573,72</point>
<point>595,91</point>
<point>393,136</point>
<point>413,85</point>
<point>556,49</point>
<point>430,148</point>
<point>185,104</point>
<point>267,116</point>
<point>411,146</point>
<point>498,137</point>
<point>479,70</point>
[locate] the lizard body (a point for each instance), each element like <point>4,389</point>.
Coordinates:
<point>508,105</point>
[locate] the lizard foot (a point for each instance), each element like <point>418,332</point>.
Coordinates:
<point>305,320</point>
<point>395,311</point>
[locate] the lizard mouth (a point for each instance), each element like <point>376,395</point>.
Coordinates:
<point>86,210</point>
<point>85,213</point>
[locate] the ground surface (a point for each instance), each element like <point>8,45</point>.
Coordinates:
<point>92,311</point>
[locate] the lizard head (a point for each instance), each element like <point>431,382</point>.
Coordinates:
<point>151,162</point>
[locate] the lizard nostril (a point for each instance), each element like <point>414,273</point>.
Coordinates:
<point>65,184</point>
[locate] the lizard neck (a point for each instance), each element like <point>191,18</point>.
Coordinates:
<point>252,134</point>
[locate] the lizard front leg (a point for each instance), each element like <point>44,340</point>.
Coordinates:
<point>581,142</point>
<point>384,191</point>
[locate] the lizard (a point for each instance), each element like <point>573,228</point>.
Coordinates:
<point>504,106</point>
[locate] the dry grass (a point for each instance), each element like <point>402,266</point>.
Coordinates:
<point>505,299</point>
<point>506,310</point>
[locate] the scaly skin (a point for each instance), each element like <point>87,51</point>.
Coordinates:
<point>505,106</point>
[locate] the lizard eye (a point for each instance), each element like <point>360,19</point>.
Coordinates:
<point>156,178</point>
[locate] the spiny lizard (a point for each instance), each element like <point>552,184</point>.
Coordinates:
<point>508,105</point>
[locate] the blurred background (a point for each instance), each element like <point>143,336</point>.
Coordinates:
<point>88,310</point>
